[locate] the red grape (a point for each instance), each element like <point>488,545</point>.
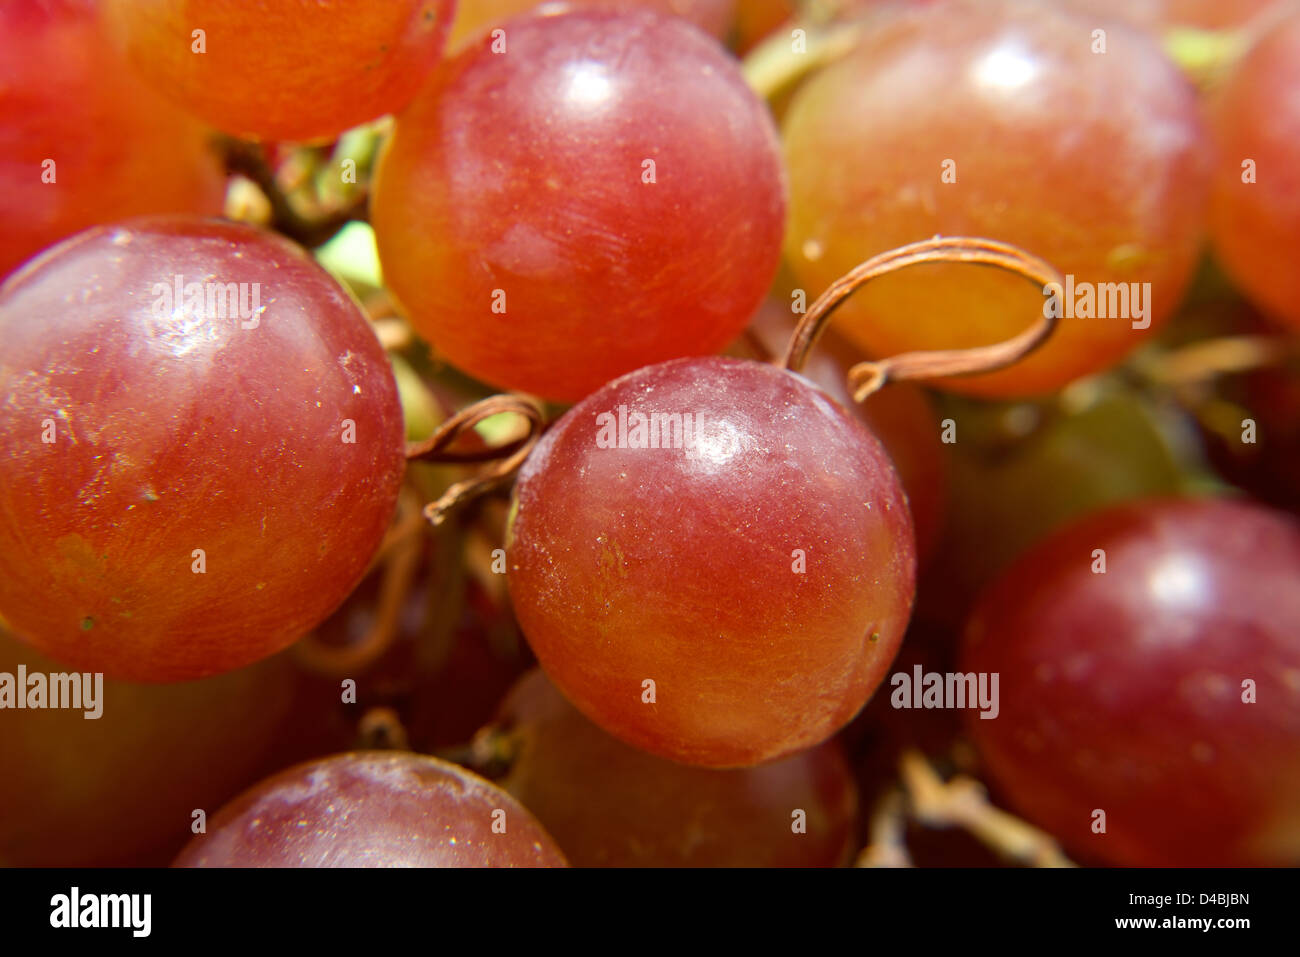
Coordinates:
<point>1256,224</point>
<point>284,69</point>
<point>609,805</point>
<point>517,224</point>
<point>475,17</point>
<point>120,789</point>
<point>186,485</point>
<point>761,579</point>
<point>373,809</point>
<point>117,148</point>
<point>1007,101</point>
<point>1125,692</point>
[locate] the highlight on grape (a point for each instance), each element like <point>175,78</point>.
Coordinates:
<point>649,430</point>
<point>208,300</point>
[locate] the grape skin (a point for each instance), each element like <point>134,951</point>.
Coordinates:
<point>610,805</point>
<point>281,69</point>
<point>117,148</point>
<point>373,809</point>
<point>680,567</point>
<point>1124,692</point>
<point>474,18</point>
<point>1053,148</point>
<point>517,224</point>
<point>1256,225</point>
<point>138,441</point>
<point>119,790</point>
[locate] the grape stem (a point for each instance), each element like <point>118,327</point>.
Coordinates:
<point>491,753</point>
<point>311,227</point>
<point>399,555</point>
<point>504,459</point>
<point>866,378</point>
<point>962,802</point>
<point>888,847</point>
<point>381,729</point>
<point>1204,361</point>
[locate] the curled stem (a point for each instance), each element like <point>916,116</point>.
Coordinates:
<point>868,377</point>
<point>504,459</point>
<point>313,226</point>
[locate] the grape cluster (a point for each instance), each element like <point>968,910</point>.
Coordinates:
<point>474,434</point>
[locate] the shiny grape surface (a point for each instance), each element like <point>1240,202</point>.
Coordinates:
<point>1124,691</point>
<point>517,222</point>
<point>679,566</point>
<point>1097,163</point>
<point>82,140</point>
<point>1256,225</point>
<point>373,809</point>
<point>610,805</point>
<point>282,69</point>
<point>184,490</point>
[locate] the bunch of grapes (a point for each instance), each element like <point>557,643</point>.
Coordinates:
<point>481,434</point>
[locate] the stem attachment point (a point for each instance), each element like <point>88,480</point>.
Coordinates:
<point>504,459</point>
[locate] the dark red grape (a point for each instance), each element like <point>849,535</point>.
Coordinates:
<point>120,789</point>
<point>1164,692</point>
<point>610,805</point>
<point>373,809</point>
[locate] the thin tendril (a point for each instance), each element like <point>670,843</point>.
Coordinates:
<point>868,377</point>
<point>399,557</point>
<point>505,459</point>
